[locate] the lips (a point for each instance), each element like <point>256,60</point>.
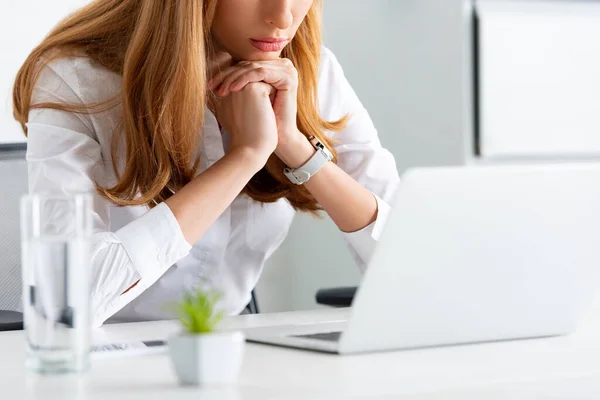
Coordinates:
<point>269,44</point>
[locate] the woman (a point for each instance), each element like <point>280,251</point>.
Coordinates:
<point>201,127</point>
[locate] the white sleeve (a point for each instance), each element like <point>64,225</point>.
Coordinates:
<point>63,155</point>
<point>360,153</point>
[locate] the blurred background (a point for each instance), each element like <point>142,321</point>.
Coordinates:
<point>447,82</point>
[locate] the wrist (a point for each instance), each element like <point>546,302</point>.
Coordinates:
<point>295,152</point>
<point>253,158</point>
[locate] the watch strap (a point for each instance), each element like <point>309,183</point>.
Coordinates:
<point>315,163</point>
<point>302,174</point>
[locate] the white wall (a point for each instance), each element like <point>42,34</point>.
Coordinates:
<point>23,25</point>
<point>539,79</point>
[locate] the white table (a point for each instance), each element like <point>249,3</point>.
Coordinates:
<point>557,368</point>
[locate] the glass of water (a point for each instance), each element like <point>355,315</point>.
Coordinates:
<point>56,236</point>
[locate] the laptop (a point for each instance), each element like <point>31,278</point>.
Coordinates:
<point>469,255</point>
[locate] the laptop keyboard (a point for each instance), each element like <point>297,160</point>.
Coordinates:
<point>329,336</point>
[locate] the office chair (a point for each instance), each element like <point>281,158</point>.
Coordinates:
<point>13,176</point>
<point>252,307</point>
<point>336,297</point>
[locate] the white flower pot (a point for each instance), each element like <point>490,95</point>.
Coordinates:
<point>207,359</point>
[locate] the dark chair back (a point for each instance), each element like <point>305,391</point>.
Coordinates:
<point>13,184</point>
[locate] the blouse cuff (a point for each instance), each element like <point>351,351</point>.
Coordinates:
<point>364,241</point>
<point>154,241</point>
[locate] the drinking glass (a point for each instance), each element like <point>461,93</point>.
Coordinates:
<point>56,236</point>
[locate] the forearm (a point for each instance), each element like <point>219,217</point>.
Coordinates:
<point>348,204</point>
<point>205,198</point>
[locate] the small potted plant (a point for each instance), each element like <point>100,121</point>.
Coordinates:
<point>201,354</point>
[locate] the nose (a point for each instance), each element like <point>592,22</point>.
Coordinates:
<point>279,13</point>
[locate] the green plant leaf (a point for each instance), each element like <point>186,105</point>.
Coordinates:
<point>197,311</point>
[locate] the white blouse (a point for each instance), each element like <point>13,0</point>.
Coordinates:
<point>68,152</point>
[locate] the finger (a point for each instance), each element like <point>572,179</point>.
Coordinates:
<point>244,67</point>
<point>286,62</point>
<point>218,78</point>
<point>255,75</point>
<point>212,83</point>
<point>224,88</point>
<point>279,78</point>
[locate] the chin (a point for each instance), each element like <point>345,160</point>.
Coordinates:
<point>262,56</point>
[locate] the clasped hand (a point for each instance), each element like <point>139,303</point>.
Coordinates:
<point>257,104</point>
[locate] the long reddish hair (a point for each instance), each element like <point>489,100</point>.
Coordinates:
<point>160,49</point>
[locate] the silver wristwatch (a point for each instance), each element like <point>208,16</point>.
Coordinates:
<point>301,175</point>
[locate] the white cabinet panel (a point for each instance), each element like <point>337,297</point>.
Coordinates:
<point>23,25</point>
<point>539,78</point>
